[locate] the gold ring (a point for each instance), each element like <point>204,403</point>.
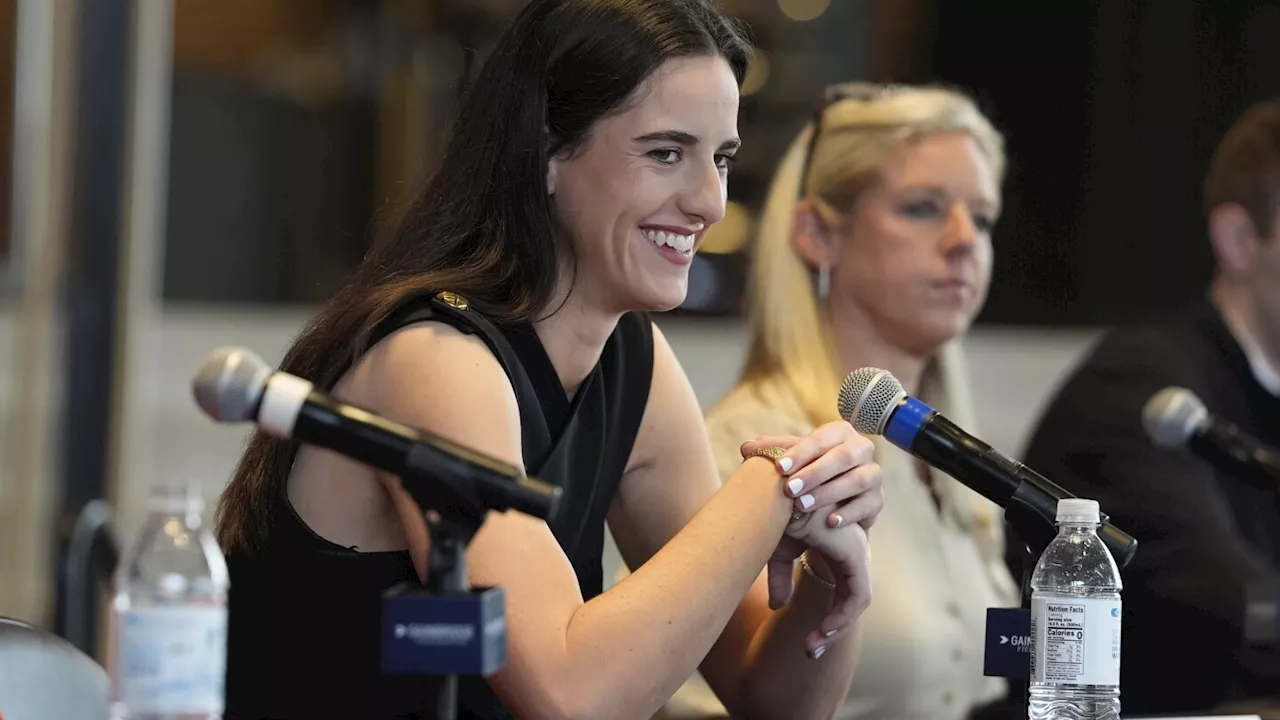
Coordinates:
<point>773,452</point>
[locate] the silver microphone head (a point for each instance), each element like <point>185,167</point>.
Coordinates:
<point>868,397</point>
<point>229,384</point>
<point>1172,415</point>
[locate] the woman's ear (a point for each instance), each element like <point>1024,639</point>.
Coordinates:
<point>552,169</point>
<point>552,162</point>
<point>1234,238</point>
<point>810,235</point>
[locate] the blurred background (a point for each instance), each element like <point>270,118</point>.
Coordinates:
<point>181,174</point>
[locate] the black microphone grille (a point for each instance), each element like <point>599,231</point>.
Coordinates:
<point>1172,415</point>
<point>228,386</point>
<point>868,397</point>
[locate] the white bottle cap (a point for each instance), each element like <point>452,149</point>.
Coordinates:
<point>176,498</point>
<point>1078,510</point>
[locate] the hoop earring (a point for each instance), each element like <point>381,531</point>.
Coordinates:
<point>824,281</point>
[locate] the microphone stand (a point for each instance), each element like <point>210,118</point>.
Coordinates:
<point>448,628</point>
<point>1020,692</point>
<point>447,577</point>
<point>417,621</point>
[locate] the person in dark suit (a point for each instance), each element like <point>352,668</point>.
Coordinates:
<point>1204,536</point>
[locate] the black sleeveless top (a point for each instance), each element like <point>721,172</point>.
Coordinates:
<point>304,618</point>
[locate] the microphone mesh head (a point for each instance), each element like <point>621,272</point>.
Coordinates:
<point>1171,415</point>
<point>229,384</point>
<point>868,397</point>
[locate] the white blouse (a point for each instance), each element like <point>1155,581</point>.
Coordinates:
<point>936,568</point>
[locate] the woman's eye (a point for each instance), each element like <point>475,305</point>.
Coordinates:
<point>666,156</point>
<point>923,209</point>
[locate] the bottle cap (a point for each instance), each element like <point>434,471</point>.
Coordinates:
<point>1078,510</point>
<point>180,498</point>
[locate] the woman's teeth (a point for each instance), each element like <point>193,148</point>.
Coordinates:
<point>682,243</point>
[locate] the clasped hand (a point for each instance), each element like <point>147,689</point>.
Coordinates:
<point>836,490</point>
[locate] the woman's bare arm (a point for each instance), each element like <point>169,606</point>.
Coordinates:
<point>625,652</point>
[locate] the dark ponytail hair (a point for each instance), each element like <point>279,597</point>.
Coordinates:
<point>482,226</point>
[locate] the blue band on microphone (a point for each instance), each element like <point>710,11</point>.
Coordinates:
<point>906,421</point>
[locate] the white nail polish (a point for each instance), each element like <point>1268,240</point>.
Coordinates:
<point>817,652</point>
<point>795,485</point>
<point>831,632</point>
<point>786,463</point>
<point>806,502</point>
<point>839,521</point>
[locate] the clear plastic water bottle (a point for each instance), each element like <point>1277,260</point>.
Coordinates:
<point>169,615</point>
<point>1075,622</point>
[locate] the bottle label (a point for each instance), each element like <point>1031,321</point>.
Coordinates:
<point>172,659</point>
<point>1075,641</point>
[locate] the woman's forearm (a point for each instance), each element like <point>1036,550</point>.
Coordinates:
<point>780,679</point>
<point>632,647</point>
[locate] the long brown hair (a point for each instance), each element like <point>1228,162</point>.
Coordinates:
<point>482,226</point>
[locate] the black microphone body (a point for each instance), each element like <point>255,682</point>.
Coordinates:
<point>407,451</point>
<point>943,445</point>
<point>404,450</point>
<point>1176,418</point>
<point>1228,448</point>
<point>367,438</point>
<point>1004,481</point>
<point>235,385</point>
<point>875,404</point>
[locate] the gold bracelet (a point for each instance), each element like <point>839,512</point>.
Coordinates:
<point>808,569</point>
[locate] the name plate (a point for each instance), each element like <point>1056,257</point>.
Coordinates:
<point>463,634</point>
<point>1008,643</point>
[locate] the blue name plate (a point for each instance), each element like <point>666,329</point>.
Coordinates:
<point>1008,646</point>
<point>464,634</point>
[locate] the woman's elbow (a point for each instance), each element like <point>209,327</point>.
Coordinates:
<point>570,700</point>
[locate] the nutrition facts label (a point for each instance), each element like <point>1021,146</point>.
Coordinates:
<point>1064,640</point>
<point>1075,640</point>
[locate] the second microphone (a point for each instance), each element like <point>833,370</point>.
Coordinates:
<point>235,385</point>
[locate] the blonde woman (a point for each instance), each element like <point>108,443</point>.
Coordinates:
<point>875,250</point>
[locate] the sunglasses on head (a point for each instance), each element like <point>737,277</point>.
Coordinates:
<point>833,94</point>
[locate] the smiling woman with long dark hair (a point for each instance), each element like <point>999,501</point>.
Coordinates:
<point>507,310</point>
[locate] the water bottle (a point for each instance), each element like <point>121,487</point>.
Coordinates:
<point>1075,622</point>
<point>169,615</point>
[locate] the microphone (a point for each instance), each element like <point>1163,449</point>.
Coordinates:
<point>1175,418</point>
<point>235,385</point>
<point>874,402</point>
